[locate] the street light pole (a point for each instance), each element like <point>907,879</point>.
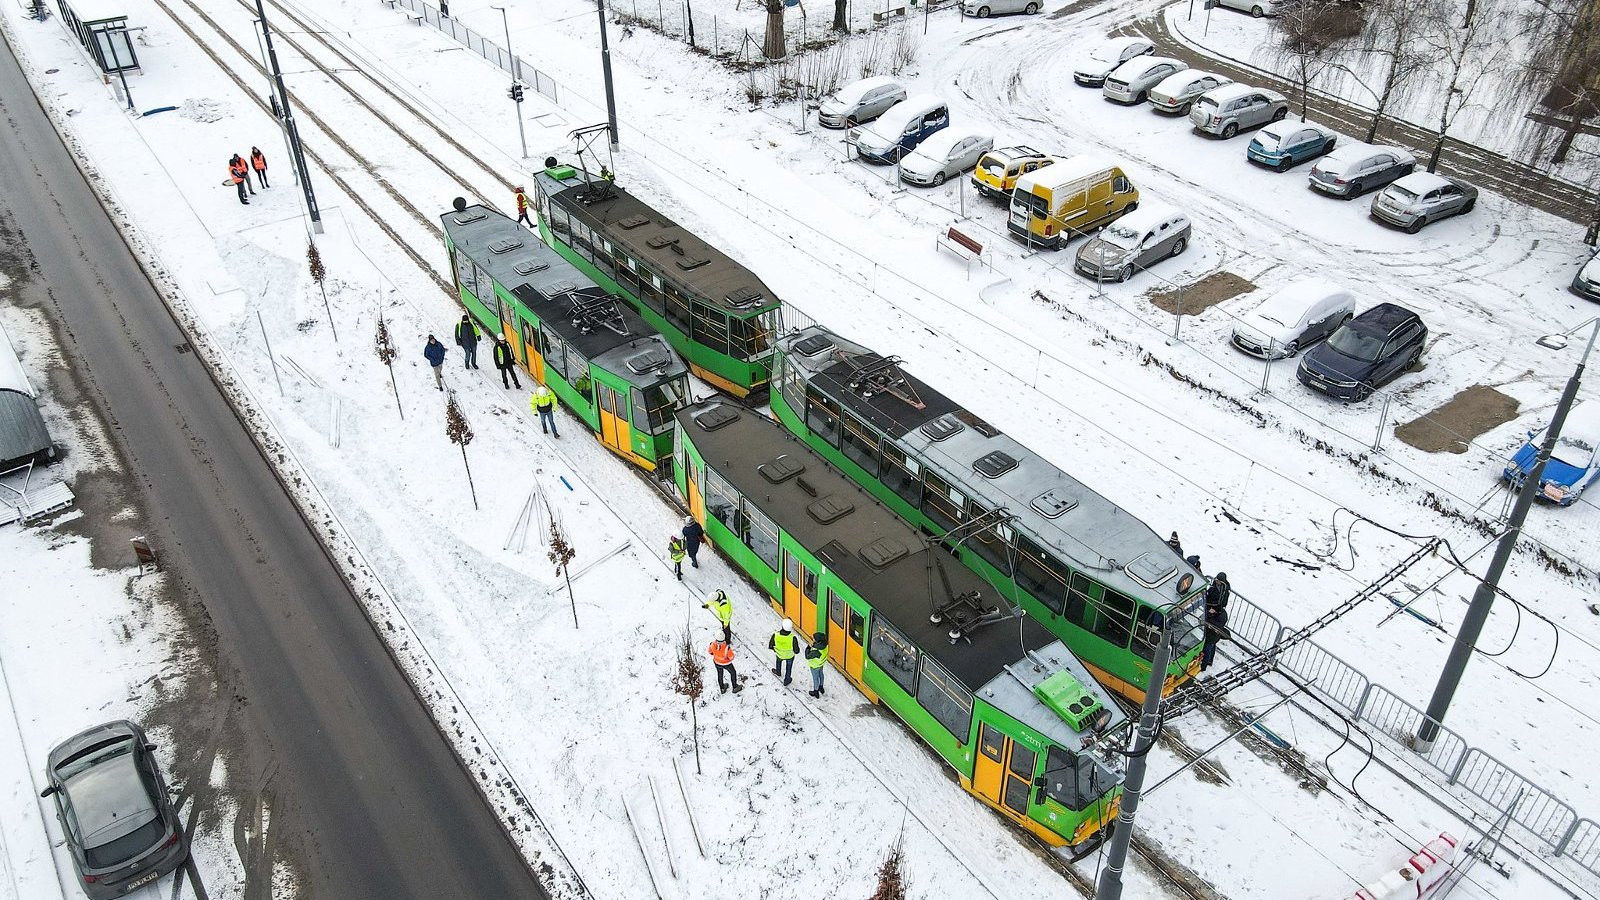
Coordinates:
<point>296,153</point>
<point>605,70</point>
<point>1483,597</point>
<point>516,82</point>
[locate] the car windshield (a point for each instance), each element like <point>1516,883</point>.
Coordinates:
<point>1356,344</point>
<point>993,166</point>
<point>1573,450</point>
<point>1121,236</point>
<point>1269,140</point>
<point>120,850</point>
<point>1400,193</point>
<point>1205,103</point>
<point>92,756</point>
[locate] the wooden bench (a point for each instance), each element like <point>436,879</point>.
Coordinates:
<point>897,12</point>
<point>415,17</point>
<point>962,245</point>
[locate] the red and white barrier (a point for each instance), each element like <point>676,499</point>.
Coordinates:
<point>1420,874</point>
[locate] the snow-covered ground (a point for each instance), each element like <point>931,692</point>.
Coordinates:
<point>1083,378</point>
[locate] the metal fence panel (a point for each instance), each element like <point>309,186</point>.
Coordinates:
<point>1583,845</point>
<point>1537,809</point>
<point>514,66</point>
<point>1401,721</point>
<point>1336,679</point>
<point>1252,627</point>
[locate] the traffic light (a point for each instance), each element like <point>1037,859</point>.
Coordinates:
<point>516,92</point>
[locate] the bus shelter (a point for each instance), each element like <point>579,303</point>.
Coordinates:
<point>102,28</point>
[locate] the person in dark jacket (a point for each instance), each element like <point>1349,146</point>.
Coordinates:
<point>1175,544</point>
<point>693,534</point>
<point>467,338</point>
<point>506,361</point>
<point>434,352</point>
<point>1216,629</point>
<point>1219,591</point>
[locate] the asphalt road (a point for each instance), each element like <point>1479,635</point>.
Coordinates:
<point>367,799</point>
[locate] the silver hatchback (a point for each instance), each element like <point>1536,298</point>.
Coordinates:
<point>1134,242</point>
<point>1131,82</point>
<point>1422,197</point>
<point>1227,109</point>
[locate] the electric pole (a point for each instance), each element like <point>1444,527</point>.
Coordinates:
<point>516,82</point>
<point>605,69</point>
<point>295,151</point>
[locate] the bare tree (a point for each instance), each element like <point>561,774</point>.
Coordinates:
<point>319,274</point>
<point>1472,58</point>
<point>689,680</point>
<point>561,554</point>
<point>1563,71</point>
<point>891,875</point>
<point>1393,34</point>
<point>1310,36</point>
<point>773,47</point>
<point>460,434</point>
<point>383,345</point>
<point>841,16</point>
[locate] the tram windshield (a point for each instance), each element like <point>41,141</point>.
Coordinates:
<point>660,401</point>
<point>751,338</point>
<point>1076,780</point>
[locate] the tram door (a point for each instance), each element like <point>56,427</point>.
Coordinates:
<point>1003,771</point>
<point>613,418</point>
<point>530,352</point>
<point>799,596</point>
<point>508,327</point>
<point>845,630</point>
<point>697,501</point>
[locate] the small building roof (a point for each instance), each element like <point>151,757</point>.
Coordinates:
<point>23,435</point>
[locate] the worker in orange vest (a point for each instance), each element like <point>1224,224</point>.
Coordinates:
<point>722,656</point>
<point>236,176</point>
<point>258,161</point>
<point>522,207</point>
<point>243,171</point>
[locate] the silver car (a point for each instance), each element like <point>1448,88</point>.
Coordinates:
<point>944,155</point>
<point>1131,82</point>
<point>983,9</point>
<point>1092,70</point>
<point>1178,91</point>
<point>1227,109</point>
<point>1136,241</point>
<point>1353,169</point>
<point>1422,197</point>
<point>113,805</point>
<point>862,101</point>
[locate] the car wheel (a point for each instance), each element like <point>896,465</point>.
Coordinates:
<point>1257,12</point>
<point>1416,357</point>
<point>1132,206</point>
<point>983,12</point>
<point>1030,9</point>
<point>1328,147</point>
<point>1280,114</point>
<point>938,179</point>
<point>1469,205</point>
<point>1291,349</point>
<point>1140,97</point>
<point>1230,129</point>
<point>1356,190</point>
<point>1285,164</point>
<point>1179,245</point>
<point>1416,224</point>
<point>1125,274</point>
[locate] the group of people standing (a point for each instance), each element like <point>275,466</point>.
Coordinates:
<point>505,361</point>
<point>1216,619</point>
<point>239,173</point>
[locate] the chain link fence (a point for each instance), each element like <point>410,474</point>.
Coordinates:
<point>489,50</point>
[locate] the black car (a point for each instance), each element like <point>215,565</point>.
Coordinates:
<point>1365,353</point>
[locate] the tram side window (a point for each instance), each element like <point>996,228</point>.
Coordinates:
<point>893,653</point>
<point>763,536</point>
<point>1115,621</point>
<point>1039,574</point>
<point>1083,601</point>
<point>860,444</point>
<point>651,293</point>
<point>901,474</point>
<point>558,223</point>
<point>788,375</point>
<point>722,501</point>
<point>555,351</point>
<point>942,503</point>
<point>581,239</point>
<point>602,256</point>
<point>993,543</point>
<point>709,326</point>
<point>677,308</point>
<point>1147,631</point>
<point>836,610</point>
<point>659,403</point>
<point>627,273</point>
<point>466,272</point>
<point>751,338</point>
<point>946,699</point>
<point>822,416</point>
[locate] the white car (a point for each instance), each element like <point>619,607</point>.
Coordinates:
<point>1176,92</point>
<point>945,154</point>
<point>1092,71</point>
<point>983,9</point>
<point>1297,316</point>
<point>1257,8</point>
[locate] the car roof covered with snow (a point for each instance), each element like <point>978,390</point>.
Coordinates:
<point>1139,65</point>
<point>1421,182</point>
<point>1355,151</point>
<point>1285,127</point>
<point>1234,90</point>
<point>1179,81</point>
<point>852,93</point>
<point>938,145</point>
<point>1149,214</point>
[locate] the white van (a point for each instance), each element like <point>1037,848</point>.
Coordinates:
<point>901,129</point>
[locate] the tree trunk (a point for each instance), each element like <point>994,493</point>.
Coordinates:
<point>688,9</point>
<point>571,599</point>
<point>1568,135</point>
<point>694,720</point>
<point>841,16</point>
<point>773,47</point>
<point>1388,89</point>
<point>1305,97</point>
<point>1433,157</point>
<point>470,487</point>
<point>1472,10</point>
<point>396,390</point>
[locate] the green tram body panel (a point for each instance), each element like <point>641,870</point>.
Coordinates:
<point>600,358</point>
<point>858,573</point>
<point>713,311</point>
<point>1090,571</point>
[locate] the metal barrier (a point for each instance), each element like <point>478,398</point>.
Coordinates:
<point>489,50</point>
<point>1550,821</point>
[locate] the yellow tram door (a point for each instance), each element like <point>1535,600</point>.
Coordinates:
<point>789,603</point>
<point>846,629</point>
<point>697,500</point>
<point>1003,771</point>
<point>530,353</point>
<point>614,429</point>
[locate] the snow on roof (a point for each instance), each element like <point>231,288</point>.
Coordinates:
<point>1139,65</point>
<point>1421,182</point>
<point>12,376</point>
<point>856,90</point>
<point>1065,171</point>
<point>1149,213</point>
<point>1230,91</point>
<point>90,11</point>
<point>1294,296</point>
<point>939,143</point>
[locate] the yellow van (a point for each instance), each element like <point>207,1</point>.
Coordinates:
<point>998,170</point>
<point>1055,204</point>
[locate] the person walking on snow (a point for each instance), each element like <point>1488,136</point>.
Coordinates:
<point>244,172</point>
<point>522,208</point>
<point>258,161</point>
<point>692,535</point>
<point>434,352</point>
<point>675,550</point>
<point>467,338</point>
<point>784,645</point>
<point>544,403</point>
<point>1216,629</point>
<point>816,657</point>
<point>1219,591</point>
<point>236,177</point>
<point>722,608</point>
<point>506,361</point>
<point>722,657</point>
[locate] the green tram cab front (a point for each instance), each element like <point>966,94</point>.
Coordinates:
<point>714,311</point>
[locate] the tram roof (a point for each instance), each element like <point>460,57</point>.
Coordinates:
<point>1090,532</point>
<point>903,589</point>
<point>545,282</point>
<point>663,245</point>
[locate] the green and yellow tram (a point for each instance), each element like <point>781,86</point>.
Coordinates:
<point>715,312</point>
<point>1094,574</point>
<point>1002,701</point>
<point>600,358</point>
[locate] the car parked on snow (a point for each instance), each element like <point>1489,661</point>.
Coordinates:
<point>1177,92</point>
<point>1415,200</point>
<point>1364,353</point>
<point>1257,8</point>
<point>1298,315</point>
<point>1586,283</point>
<point>1134,242</point>
<point>1574,463</point>
<point>860,102</point>
<point>998,170</point>
<point>1225,110</point>
<point>112,803</point>
<point>1131,82</point>
<point>1354,169</point>
<point>1094,68</point>
<point>945,154</point>
<point>983,9</point>
<point>1056,203</point>
<point>1284,145</point>
<point>899,131</point>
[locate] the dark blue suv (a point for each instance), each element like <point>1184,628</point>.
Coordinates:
<point>1365,353</point>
